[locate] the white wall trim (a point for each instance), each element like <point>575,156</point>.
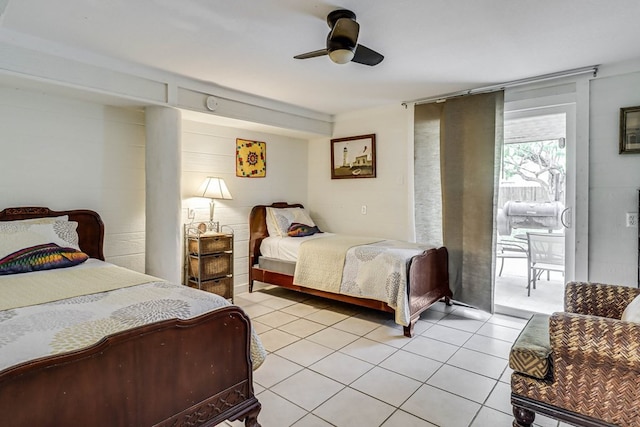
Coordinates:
<point>19,59</point>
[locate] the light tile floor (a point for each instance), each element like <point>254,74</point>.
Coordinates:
<point>334,364</point>
<point>511,290</point>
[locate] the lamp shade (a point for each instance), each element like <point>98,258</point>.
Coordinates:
<point>214,188</point>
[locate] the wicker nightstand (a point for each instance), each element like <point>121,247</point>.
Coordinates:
<point>209,261</point>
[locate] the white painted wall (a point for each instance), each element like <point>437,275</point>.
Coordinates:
<point>335,204</point>
<point>614,181</point>
<point>69,154</point>
<point>209,150</point>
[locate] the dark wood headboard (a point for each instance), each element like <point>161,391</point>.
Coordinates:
<point>90,225</point>
<point>258,228</point>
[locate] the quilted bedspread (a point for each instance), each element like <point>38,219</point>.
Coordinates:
<point>360,267</point>
<point>62,325</point>
<point>379,271</point>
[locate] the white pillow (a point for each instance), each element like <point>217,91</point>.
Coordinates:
<point>44,220</point>
<point>632,312</point>
<point>279,220</point>
<point>17,235</point>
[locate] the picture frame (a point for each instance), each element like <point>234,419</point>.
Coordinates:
<point>353,157</point>
<point>629,130</point>
<point>251,158</point>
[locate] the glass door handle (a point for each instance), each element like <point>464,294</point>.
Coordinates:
<point>566,220</point>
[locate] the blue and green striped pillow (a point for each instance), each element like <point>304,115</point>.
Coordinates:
<point>41,257</point>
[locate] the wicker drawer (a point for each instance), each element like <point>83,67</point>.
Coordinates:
<point>208,261</point>
<point>216,265</point>
<point>220,286</point>
<point>211,244</point>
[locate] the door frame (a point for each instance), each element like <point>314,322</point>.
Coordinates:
<point>569,111</point>
<point>572,92</point>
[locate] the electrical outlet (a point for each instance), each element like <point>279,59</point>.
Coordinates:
<point>191,213</point>
<point>632,219</point>
<point>363,210</point>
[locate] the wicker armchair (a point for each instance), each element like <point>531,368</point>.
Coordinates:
<point>591,367</point>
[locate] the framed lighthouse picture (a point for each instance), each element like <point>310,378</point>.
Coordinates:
<point>353,157</point>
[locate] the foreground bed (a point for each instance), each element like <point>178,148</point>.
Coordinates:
<point>427,277</point>
<point>192,371</point>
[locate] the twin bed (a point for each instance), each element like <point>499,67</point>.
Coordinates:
<point>397,277</point>
<point>129,349</point>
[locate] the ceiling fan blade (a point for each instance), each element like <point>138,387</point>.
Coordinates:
<point>345,29</point>
<point>366,56</point>
<point>313,54</point>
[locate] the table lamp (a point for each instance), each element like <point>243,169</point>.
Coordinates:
<point>213,188</point>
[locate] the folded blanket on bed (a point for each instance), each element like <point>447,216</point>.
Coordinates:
<point>26,289</point>
<point>320,261</point>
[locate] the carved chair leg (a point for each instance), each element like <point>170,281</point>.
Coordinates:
<point>252,417</point>
<point>447,301</point>
<point>523,417</point>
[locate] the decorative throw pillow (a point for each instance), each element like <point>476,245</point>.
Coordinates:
<point>16,235</point>
<point>300,230</point>
<point>632,312</point>
<point>41,257</point>
<point>279,220</point>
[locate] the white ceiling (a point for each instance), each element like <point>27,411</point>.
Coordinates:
<point>431,47</point>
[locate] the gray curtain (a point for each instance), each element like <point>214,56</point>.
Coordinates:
<point>458,144</point>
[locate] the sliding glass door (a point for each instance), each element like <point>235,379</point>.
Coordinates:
<point>536,196</point>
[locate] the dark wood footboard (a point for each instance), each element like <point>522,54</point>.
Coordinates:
<point>192,372</point>
<point>428,282</point>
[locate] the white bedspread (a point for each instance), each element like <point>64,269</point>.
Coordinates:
<point>63,325</point>
<point>379,271</point>
<point>286,248</point>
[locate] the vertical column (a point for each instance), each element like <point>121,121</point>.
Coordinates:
<point>163,198</point>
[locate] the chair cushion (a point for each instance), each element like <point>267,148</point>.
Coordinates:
<point>530,353</point>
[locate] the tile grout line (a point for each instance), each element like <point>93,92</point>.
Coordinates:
<point>395,349</point>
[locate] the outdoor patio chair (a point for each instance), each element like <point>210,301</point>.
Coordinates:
<point>509,249</point>
<point>546,253</point>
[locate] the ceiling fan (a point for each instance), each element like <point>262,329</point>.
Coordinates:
<point>342,41</point>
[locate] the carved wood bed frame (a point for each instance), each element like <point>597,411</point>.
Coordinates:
<point>194,372</point>
<point>428,273</point>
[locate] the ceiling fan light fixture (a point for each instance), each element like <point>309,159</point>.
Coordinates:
<point>341,56</point>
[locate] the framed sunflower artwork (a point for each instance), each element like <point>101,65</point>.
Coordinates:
<point>251,158</point>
